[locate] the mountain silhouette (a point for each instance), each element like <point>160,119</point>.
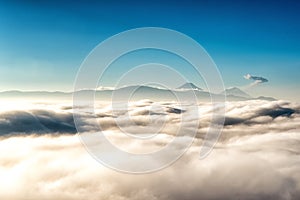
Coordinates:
<point>136,92</point>
<point>234,91</point>
<point>190,86</point>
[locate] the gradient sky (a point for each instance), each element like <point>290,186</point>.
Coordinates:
<point>44,42</point>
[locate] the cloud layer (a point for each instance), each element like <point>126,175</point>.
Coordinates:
<point>257,156</point>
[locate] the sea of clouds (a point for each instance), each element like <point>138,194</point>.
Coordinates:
<point>256,157</point>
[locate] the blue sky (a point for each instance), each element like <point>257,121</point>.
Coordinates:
<point>43,43</point>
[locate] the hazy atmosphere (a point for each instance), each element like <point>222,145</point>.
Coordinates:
<point>154,100</point>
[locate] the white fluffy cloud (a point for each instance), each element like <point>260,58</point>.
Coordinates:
<point>257,156</point>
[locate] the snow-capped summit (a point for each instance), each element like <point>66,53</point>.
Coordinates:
<point>190,86</point>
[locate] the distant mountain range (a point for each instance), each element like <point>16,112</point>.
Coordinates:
<point>182,93</point>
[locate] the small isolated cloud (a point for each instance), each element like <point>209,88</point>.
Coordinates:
<point>256,79</point>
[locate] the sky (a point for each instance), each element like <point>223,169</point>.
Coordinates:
<point>43,43</point>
